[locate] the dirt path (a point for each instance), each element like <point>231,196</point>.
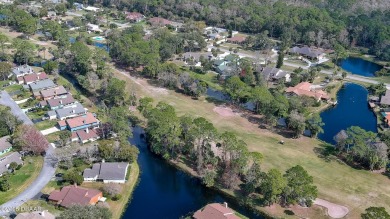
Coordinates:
<point>334,210</point>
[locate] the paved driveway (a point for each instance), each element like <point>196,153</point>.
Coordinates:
<point>48,169</point>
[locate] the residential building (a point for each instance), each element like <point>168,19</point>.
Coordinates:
<point>94,28</point>
<point>236,39</point>
<point>91,8</point>
<point>67,112</point>
<point>58,103</point>
<point>78,6</point>
<point>216,211</point>
<point>51,93</point>
<point>5,145</point>
<point>41,85</point>
<point>114,172</point>
<point>84,136</point>
<point>134,17</point>
<point>78,123</point>
<point>74,195</point>
<point>35,215</point>
<point>159,21</point>
<point>30,78</point>
<point>308,52</point>
<point>215,33</point>
<point>271,73</point>
<point>22,70</point>
<point>305,89</point>
<point>385,99</point>
<point>8,159</point>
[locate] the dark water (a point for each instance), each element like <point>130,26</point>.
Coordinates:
<point>360,66</point>
<point>352,110</point>
<point>165,192</point>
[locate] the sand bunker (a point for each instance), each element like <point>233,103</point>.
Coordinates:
<point>334,210</point>
<point>224,111</point>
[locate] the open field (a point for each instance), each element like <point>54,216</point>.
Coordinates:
<point>336,182</point>
<point>22,178</point>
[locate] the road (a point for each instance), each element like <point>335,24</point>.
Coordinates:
<point>48,169</point>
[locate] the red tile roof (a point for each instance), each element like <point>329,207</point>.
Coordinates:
<point>52,92</point>
<point>238,39</point>
<point>215,211</point>
<point>86,134</point>
<point>134,15</point>
<point>71,195</point>
<point>82,120</point>
<point>61,101</point>
<point>34,77</point>
<point>304,88</point>
<point>159,20</point>
<point>61,123</point>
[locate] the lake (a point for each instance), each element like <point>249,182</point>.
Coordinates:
<point>351,110</point>
<point>166,192</point>
<point>360,66</point>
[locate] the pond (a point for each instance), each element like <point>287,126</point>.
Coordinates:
<point>97,44</point>
<point>360,66</point>
<point>166,192</point>
<point>351,110</point>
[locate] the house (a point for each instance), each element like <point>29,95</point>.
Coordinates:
<point>35,215</point>
<point>215,33</point>
<point>51,14</point>
<point>236,39</point>
<point>7,160</point>
<point>91,8</point>
<point>308,52</point>
<point>78,123</point>
<point>58,103</point>
<point>30,78</point>
<point>84,136</point>
<point>159,21</point>
<point>51,93</point>
<point>67,112</point>
<point>134,17</point>
<point>271,73</point>
<point>74,195</point>
<point>94,28</point>
<point>22,70</point>
<point>112,172</point>
<point>41,85</point>
<point>305,89</point>
<point>216,211</point>
<point>5,145</point>
<point>78,6</point>
<point>385,99</point>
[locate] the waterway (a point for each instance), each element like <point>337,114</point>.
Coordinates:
<point>166,192</point>
<point>360,66</point>
<point>351,110</point>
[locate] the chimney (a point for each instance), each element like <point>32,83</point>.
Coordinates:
<point>60,101</point>
<point>87,130</point>
<point>103,161</point>
<point>84,121</point>
<point>73,111</point>
<point>43,213</point>
<point>226,205</point>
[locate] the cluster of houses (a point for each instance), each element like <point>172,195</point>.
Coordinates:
<point>382,104</point>
<point>71,114</point>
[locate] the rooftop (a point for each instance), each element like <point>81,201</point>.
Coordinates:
<point>304,88</point>
<point>35,215</point>
<point>40,85</point>
<point>307,51</point>
<point>5,161</point>
<point>4,143</point>
<point>215,211</point>
<point>61,101</point>
<point>22,70</point>
<point>385,99</point>
<point>55,91</point>
<point>107,171</point>
<point>70,195</point>
<point>75,109</point>
<point>81,120</point>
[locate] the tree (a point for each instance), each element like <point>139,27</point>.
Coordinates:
<point>236,88</point>
<point>115,94</point>
<point>50,66</point>
<point>87,211</point>
<point>279,63</point>
<point>127,152</point>
<point>4,184</point>
<point>81,56</point>
<point>300,188</point>
<point>272,186</point>
<point>73,177</point>
<point>28,138</point>
<point>24,50</point>
<point>12,166</point>
<point>263,99</point>
<point>3,40</point>
<point>112,189</point>
<point>296,122</point>
<point>5,70</point>
<point>314,124</point>
<point>343,74</point>
<point>341,140</point>
<point>375,213</point>
<point>101,57</point>
<point>64,137</point>
<point>145,105</point>
<point>253,177</point>
<point>340,52</point>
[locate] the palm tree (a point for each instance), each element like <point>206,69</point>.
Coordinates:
<point>3,39</point>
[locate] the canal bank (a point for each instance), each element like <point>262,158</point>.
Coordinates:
<point>164,191</point>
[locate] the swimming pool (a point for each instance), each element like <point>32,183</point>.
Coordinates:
<point>98,38</point>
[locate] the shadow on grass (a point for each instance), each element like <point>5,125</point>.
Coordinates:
<point>325,151</point>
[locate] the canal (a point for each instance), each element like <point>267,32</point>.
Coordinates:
<point>351,110</point>
<point>360,66</point>
<point>165,192</point>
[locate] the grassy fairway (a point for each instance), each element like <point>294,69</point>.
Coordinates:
<point>22,178</point>
<point>336,182</point>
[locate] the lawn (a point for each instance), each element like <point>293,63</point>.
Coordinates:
<point>41,204</point>
<point>118,207</point>
<point>210,78</point>
<point>13,88</point>
<point>45,124</point>
<point>22,178</point>
<point>336,182</point>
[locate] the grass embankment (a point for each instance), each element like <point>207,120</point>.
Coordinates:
<point>22,178</point>
<point>336,182</point>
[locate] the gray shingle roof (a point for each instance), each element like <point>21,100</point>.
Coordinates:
<point>107,171</point>
<point>4,143</point>
<point>22,70</point>
<point>385,99</point>
<point>5,161</point>
<point>40,85</point>
<point>75,109</point>
<point>92,173</point>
